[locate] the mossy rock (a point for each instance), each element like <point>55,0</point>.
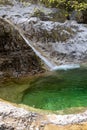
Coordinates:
<point>56,15</point>
<point>6,2</point>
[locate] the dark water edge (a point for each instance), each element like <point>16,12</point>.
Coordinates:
<point>12,89</point>
<point>60,90</point>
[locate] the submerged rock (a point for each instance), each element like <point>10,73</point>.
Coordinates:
<point>16,57</point>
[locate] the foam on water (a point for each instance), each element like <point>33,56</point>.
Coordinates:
<point>66,67</point>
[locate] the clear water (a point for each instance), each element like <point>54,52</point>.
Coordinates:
<point>62,90</point>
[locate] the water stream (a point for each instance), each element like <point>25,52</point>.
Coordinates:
<point>52,66</point>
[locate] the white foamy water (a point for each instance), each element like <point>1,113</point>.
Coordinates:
<point>66,67</point>
<point>52,66</point>
<point>44,59</point>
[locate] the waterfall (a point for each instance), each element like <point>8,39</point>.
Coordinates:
<point>52,66</point>
<point>47,62</point>
<point>44,59</point>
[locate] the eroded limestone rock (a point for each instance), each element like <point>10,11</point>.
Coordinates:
<point>62,43</point>
<point>47,31</point>
<point>16,118</point>
<point>16,57</point>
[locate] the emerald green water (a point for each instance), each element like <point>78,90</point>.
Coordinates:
<point>56,91</point>
<point>59,91</point>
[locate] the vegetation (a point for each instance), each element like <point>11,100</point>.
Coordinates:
<point>69,5</point>
<point>6,2</point>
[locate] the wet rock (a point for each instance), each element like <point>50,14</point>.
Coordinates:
<point>15,54</point>
<point>13,118</point>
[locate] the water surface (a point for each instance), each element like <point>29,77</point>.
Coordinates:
<point>62,90</point>
<point>59,90</point>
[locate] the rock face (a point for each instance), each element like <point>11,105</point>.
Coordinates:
<point>16,118</point>
<point>47,31</point>
<point>13,118</point>
<point>61,42</point>
<point>16,57</point>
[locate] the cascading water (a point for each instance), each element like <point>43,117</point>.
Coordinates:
<point>51,65</point>
<point>48,63</point>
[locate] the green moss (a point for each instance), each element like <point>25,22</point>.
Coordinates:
<point>68,4</point>
<point>6,2</point>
